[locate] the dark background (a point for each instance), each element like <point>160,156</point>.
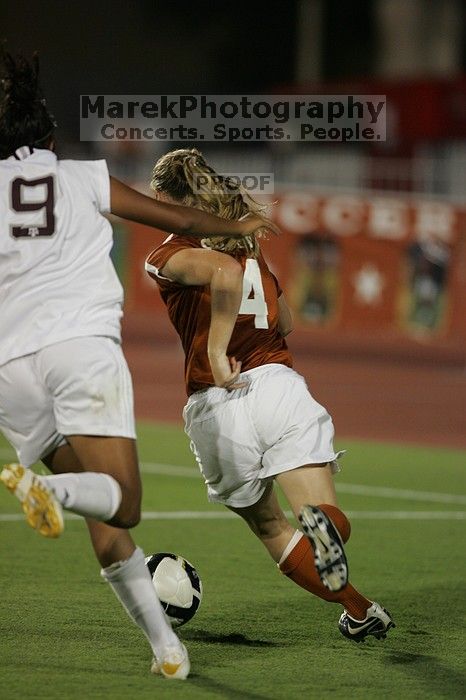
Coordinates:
<point>148,47</point>
<point>151,47</point>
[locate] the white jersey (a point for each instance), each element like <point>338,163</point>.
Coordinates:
<point>57,280</point>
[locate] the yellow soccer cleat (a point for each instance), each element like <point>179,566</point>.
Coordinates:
<point>43,511</point>
<point>173,664</point>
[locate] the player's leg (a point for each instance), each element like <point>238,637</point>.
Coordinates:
<point>80,387</point>
<point>313,481</point>
<point>311,493</point>
<point>105,460</point>
<point>296,430</point>
<point>122,562</point>
<point>289,548</point>
<point>308,486</point>
<point>268,522</point>
<point>109,490</point>
<point>110,543</point>
<point>27,422</point>
<point>91,387</point>
<point>295,558</point>
<point>299,431</point>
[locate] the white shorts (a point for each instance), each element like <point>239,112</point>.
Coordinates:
<point>80,386</point>
<point>243,438</point>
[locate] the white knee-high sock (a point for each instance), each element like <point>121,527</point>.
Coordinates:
<point>91,494</point>
<point>132,584</point>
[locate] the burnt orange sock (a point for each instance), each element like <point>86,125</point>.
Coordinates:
<point>338,518</point>
<point>299,567</point>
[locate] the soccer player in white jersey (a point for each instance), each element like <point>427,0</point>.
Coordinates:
<point>65,389</point>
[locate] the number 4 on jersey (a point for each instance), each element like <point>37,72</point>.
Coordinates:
<point>253,301</point>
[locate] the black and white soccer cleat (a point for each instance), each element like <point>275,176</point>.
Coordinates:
<point>329,554</point>
<point>376,624</point>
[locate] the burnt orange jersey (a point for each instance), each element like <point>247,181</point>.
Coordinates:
<point>255,339</point>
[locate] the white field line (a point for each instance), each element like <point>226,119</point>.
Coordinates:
<point>404,494</point>
<point>227,515</point>
<point>354,489</point>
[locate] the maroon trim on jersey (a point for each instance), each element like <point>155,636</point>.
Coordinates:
<point>23,152</point>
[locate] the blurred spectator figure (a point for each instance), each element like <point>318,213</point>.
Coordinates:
<point>428,269</point>
<point>315,283</point>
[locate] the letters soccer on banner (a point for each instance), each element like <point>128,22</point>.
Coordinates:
<point>361,267</point>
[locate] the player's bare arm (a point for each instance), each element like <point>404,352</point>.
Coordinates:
<point>285,319</point>
<point>130,204</point>
<point>224,275</point>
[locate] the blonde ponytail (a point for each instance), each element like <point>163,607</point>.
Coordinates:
<point>185,177</point>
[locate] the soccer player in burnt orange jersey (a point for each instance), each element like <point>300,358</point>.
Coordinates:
<point>251,428</point>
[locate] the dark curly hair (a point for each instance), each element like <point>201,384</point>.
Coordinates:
<point>24,118</point>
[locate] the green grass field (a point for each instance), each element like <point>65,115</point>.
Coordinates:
<point>256,635</point>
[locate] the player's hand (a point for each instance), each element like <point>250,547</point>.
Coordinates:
<point>253,223</point>
<point>225,371</point>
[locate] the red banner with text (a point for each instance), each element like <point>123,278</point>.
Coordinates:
<point>375,272</point>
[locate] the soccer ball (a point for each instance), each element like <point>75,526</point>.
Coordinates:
<point>177,585</point>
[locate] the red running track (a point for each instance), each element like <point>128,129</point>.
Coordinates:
<point>372,399</point>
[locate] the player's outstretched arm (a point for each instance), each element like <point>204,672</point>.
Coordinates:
<point>129,204</point>
<point>224,275</point>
